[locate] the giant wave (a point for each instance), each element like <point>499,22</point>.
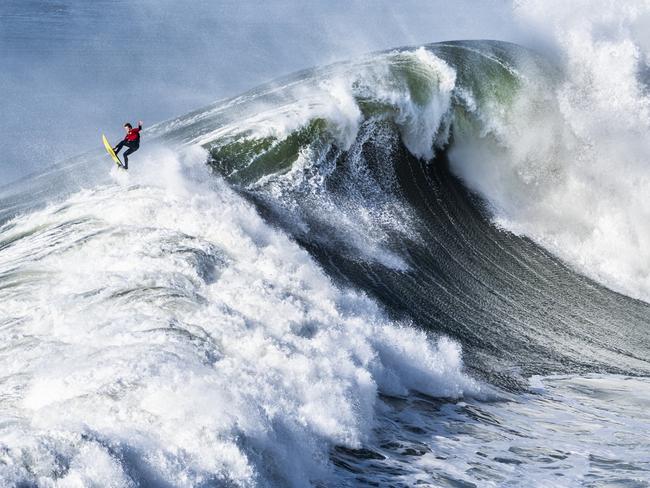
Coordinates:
<point>376,165</point>
<point>374,250</point>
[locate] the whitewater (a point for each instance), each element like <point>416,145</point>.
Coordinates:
<point>162,334</point>
<point>133,345</point>
<point>426,266</point>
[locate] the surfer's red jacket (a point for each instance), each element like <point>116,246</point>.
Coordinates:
<point>133,135</point>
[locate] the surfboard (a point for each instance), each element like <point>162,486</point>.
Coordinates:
<point>109,148</point>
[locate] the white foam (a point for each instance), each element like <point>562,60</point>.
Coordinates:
<point>421,113</point>
<point>158,331</point>
<point>569,167</point>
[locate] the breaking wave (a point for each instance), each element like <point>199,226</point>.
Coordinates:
<point>375,250</point>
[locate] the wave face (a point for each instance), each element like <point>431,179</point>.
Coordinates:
<point>356,290</point>
<point>368,165</point>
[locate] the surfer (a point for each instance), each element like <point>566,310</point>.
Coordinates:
<point>132,141</point>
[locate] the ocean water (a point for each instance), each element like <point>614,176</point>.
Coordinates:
<point>424,266</point>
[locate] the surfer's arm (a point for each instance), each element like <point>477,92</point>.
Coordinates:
<point>140,125</point>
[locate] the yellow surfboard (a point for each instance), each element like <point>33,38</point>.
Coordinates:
<point>109,148</point>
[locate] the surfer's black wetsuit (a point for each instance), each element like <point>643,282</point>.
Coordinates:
<point>132,141</point>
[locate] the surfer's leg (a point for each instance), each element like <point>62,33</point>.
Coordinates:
<point>130,150</point>
<point>119,147</point>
